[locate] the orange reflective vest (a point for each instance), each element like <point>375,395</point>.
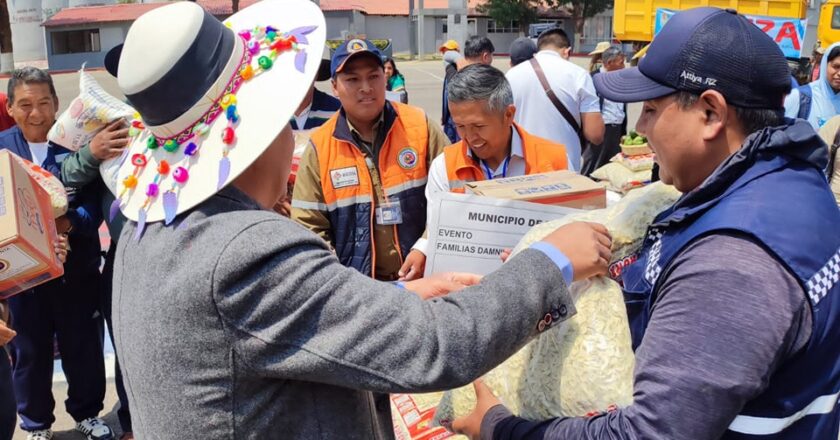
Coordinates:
<point>348,186</point>
<point>541,156</point>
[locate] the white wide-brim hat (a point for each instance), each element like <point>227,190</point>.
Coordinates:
<point>193,80</point>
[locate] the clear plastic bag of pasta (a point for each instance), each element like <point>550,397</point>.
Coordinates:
<point>585,364</point>
<point>87,114</point>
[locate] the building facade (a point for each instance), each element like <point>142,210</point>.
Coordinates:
<point>78,35</point>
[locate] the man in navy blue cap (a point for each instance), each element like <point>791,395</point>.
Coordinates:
<point>362,185</point>
<point>734,301</point>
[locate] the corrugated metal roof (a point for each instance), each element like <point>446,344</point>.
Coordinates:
<point>129,12</point>
<point>388,7</point>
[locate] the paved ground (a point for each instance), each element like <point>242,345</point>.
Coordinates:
<point>424,81</point>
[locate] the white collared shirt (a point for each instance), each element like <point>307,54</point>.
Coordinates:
<point>439,179</point>
<point>537,115</point>
<point>39,151</point>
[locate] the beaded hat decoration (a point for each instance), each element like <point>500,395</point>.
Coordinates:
<point>162,163</point>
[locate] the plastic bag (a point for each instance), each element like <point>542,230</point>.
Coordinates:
<point>89,113</point>
<point>586,363</point>
<point>620,178</point>
<point>412,416</point>
<point>634,163</point>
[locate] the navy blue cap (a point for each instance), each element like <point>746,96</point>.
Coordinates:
<point>350,49</point>
<point>705,49</point>
<point>522,49</point>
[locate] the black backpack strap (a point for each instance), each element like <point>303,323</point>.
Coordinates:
<point>556,101</point>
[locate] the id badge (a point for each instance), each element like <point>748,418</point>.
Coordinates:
<point>389,213</point>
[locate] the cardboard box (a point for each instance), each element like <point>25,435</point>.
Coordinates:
<point>413,417</point>
<point>27,231</point>
<point>562,188</point>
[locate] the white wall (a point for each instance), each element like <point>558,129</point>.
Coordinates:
<point>502,42</point>
<point>390,27</point>
<point>397,28</point>
<point>432,36</point>
<point>336,23</point>
<point>26,17</point>
<point>110,35</point>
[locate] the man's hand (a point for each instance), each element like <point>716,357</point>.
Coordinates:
<point>442,284</point>
<point>505,254</point>
<point>63,225</point>
<point>62,246</point>
<point>284,206</point>
<point>470,425</point>
<point>413,267</point>
<point>110,141</point>
<point>6,334</point>
<point>586,245</point>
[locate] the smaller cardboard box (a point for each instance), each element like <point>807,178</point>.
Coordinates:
<point>27,231</point>
<point>562,188</point>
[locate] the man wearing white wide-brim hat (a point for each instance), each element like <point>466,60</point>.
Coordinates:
<point>233,321</point>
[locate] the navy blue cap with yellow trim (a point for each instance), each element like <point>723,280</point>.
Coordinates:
<point>350,49</point>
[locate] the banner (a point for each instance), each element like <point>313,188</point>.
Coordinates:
<point>467,233</point>
<point>788,33</point>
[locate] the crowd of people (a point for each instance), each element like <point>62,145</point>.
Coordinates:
<point>260,309</point>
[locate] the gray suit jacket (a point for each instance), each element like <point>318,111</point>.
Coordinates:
<point>236,323</point>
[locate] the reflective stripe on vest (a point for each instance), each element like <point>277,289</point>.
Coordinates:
<point>396,189</point>
<point>541,155</point>
<point>314,206</point>
<point>819,284</point>
<point>766,425</point>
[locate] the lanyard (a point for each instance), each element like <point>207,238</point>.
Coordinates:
<point>490,175</point>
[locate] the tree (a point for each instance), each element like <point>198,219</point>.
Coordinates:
<point>7,59</point>
<point>504,11</point>
<point>581,10</point>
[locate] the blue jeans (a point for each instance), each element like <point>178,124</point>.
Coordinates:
<point>66,309</point>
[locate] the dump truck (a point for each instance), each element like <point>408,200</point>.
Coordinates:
<point>634,21</point>
<point>828,29</point>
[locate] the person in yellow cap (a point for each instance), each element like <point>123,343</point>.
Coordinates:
<point>449,45</point>
<point>451,54</point>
